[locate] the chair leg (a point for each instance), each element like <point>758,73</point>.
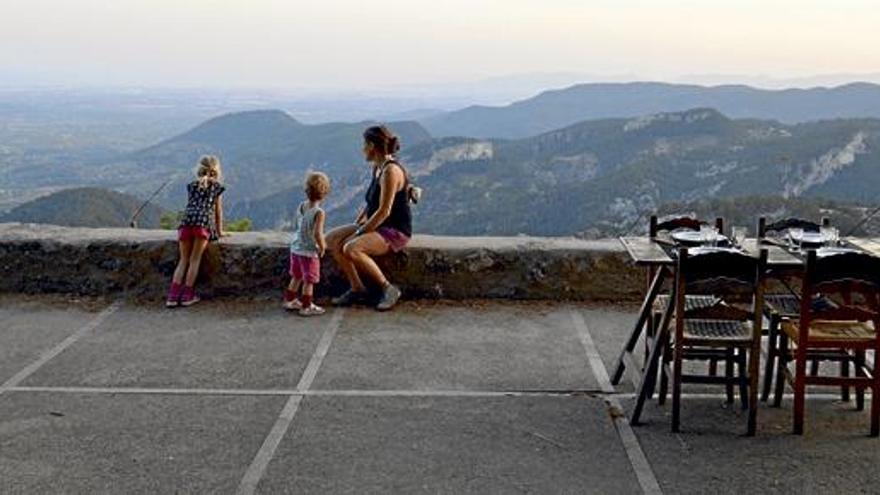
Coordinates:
<point>713,367</point>
<point>875,395</point>
<point>653,324</point>
<point>844,372</point>
<point>754,367</point>
<point>859,365</point>
<point>814,367</point>
<point>676,385</point>
<point>875,406</point>
<point>781,366</point>
<point>743,378</point>
<point>772,351</point>
<point>664,376</point>
<point>728,373</point>
<point>800,389</point>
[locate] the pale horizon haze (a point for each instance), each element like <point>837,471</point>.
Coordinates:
<point>380,44</point>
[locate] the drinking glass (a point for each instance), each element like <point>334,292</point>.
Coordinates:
<point>708,235</point>
<point>796,235</point>
<point>830,235</point>
<point>738,235</point>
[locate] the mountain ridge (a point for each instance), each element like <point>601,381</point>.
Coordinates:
<point>557,108</point>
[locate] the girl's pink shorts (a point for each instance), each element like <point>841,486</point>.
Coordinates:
<point>188,232</point>
<point>305,268</point>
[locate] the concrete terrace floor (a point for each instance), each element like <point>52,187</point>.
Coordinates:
<point>236,396</point>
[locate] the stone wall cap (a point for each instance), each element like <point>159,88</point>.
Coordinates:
<point>24,232</point>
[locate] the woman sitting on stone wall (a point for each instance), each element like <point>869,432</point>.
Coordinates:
<point>383,225</point>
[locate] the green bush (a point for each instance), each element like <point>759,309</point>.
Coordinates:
<point>170,220</point>
<point>239,225</point>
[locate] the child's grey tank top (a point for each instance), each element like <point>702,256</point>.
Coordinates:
<point>303,240</point>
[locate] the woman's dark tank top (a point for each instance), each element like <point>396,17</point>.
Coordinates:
<point>401,216</point>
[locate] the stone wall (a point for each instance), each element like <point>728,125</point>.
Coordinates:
<point>45,258</point>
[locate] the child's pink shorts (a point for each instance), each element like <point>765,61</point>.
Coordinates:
<point>188,232</point>
<point>305,268</point>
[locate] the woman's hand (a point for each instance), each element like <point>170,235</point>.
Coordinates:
<point>361,216</point>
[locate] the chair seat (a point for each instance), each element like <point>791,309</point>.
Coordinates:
<point>786,305</point>
<point>717,332</point>
<point>848,331</point>
<point>690,302</point>
<point>789,305</point>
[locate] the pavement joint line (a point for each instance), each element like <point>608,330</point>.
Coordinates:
<point>368,393</point>
<point>311,392</point>
<point>258,466</point>
<point>48,355</point>
<point>637,459</point>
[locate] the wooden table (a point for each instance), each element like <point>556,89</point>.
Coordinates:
<point>654,255</point>
<point>869,245</point>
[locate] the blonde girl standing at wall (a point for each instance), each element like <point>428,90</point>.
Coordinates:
<point>202,222</point>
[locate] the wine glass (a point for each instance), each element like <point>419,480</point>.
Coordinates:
<point>796,235</point>
<point>830,235</point>
<point>738,235</point>
<point>708,235</point>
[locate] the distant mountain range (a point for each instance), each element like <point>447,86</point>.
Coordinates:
<point>605,176</point>
<point>559,108</point>
<point>568,174</point>
<point>85,207</point>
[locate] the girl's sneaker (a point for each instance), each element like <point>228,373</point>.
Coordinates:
<point>311,310</point>
<point>189,297</point>
<point>292,305</point>
<point>173,299</point>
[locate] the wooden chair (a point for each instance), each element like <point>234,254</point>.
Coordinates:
<point>732,327</point>
<point>849,326</point>
<point>779,305</point>
<point>668,225</point>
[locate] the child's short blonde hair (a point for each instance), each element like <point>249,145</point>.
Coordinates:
<point>208,169</point>
<point>317,186</point>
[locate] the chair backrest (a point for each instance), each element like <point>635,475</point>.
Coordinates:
<point>789,223</point>
<point>841,273</point>
<point>721,273</point>
<point>680,222</point>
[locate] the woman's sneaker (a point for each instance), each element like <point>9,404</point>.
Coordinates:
<point>351,297</point>
<point>292,305</point>
<point>311,310</point>
<point>189,297</point>
<point>390,295</point>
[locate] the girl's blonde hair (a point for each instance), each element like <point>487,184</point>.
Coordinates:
<point>208,169</point>
<point>317,186</point>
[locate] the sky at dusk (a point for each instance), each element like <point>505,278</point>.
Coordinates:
<point>383,43</point>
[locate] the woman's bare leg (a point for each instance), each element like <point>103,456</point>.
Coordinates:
<point>195,260</point>
<point>336,240</point>
<point>361,250</point>
<point>180,271</point>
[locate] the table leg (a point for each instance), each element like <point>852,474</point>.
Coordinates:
<point>644,312</point>
<point>649,377</point>
<point>650,318</point>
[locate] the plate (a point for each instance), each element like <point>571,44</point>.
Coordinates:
<point>828,251</point>
<point>709,249</point>
<point>807,237</point>
<point>694,238</point>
